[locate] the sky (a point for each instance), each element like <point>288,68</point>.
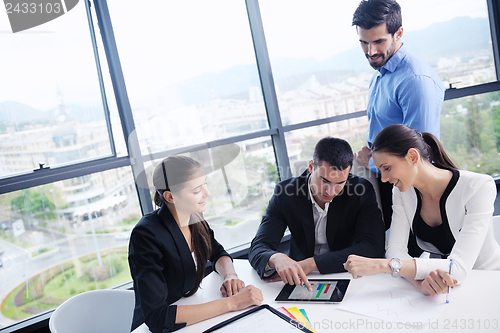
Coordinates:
<point>183,39</point>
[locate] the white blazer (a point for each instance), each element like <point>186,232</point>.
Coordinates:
<point>469,209</point>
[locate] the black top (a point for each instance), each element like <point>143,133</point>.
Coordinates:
<point>162,269</point>
<point>354,225</point>
<point>439,236</point>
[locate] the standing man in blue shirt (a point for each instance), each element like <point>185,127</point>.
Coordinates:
<point>404,89</point>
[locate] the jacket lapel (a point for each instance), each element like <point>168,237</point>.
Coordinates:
<point>306,218</point>
<point>188,267</point>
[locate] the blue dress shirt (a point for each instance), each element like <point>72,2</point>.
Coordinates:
<point>406,90</point>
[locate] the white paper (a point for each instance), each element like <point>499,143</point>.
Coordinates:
<point>396,305</point>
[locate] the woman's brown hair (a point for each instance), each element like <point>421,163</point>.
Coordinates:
<point>397,139</point>
<point>171,175</point>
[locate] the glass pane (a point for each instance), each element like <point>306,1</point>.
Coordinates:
<point>119,141</point>
<point>316,56</point>
<point>190,71</point>
<point>307,46</point>
<point>64,238</point>
<point>300,143</point>
<point>470,132</point>
<point>440,38</point>
<point>51,110</point>
<point>240,190</point>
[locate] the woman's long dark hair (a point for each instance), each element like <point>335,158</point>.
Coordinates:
<point>170,175</point>
<point>397,139</point>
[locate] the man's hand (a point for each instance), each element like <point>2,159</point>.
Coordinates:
<point>289,270</point>
<point>363,157</point>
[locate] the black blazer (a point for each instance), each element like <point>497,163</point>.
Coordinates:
<point>162,269</point>
<point>354,225</point>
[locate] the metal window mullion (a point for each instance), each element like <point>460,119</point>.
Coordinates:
<point>268,89</point>
<point>43,177</point>
<point>101,81</point>
<point>494,18</point>
<point>472,90</point>
<point>123,103</point>
<point>324,121</point>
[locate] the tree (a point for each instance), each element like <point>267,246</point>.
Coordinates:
<point>473,124</point>
<point>32,202</point>
<point>495,111</point>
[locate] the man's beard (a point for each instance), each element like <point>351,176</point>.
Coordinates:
<point>384,57</point>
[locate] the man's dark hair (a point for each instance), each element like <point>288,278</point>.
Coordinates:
<point>371,13</point>
<point>334,151</point>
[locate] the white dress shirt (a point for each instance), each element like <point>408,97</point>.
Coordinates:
<point>320,217</point>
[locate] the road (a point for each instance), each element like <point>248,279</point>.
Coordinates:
<point>18,266</point>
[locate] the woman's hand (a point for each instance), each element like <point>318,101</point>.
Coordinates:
<point>246,297</point>
<point>436,283</point>
<point>231,285</point>
<point>360,266</point>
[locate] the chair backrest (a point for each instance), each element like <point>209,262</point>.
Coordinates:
<point>370,176</point>
<point>299,167</point>
<point>496,227</point>
<point>96,311</point>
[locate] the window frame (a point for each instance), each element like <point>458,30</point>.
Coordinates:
<point>136,160</point>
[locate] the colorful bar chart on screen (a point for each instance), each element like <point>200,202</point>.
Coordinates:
<point>319,291</point>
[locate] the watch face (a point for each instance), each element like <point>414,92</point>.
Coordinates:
<point>395,263</point>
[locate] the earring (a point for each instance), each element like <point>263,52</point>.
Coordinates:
<point>415,164</point>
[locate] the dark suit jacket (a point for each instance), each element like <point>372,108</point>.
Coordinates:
<point>162,269</point>
<point>354,225</point>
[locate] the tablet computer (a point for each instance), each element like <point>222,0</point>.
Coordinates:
<point>323,291</point>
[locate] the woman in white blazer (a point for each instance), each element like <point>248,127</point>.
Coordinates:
<point>449,210</point>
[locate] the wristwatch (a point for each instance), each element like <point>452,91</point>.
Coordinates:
<point>395,265</point>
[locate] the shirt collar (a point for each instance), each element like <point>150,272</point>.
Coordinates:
<point>394,61</point>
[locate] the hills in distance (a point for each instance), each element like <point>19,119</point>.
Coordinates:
<point>457,37</point>
<point>445,39</point>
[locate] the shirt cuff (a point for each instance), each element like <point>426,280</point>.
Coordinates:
<point>372,166</point>
<point>268,271</point>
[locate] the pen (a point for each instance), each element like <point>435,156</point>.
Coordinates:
<point>449,272</point>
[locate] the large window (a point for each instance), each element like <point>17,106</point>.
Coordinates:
<point>439,39</point>
<point>51,111</point>
<point>65,238</point>
<point>301,143</point>
<point>318,67</point>
<point>470,132</point>
<point>196,75</point>
<point>316,57</point>
<point>192,77</point>
<point>241,179</point>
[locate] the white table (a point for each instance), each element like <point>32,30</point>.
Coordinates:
<point>473,305</point>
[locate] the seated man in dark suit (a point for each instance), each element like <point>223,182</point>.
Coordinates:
<point>330,213</point>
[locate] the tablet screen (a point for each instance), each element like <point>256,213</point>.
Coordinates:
<point>325,291</point>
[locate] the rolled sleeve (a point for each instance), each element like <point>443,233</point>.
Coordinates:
<point>421,99</point>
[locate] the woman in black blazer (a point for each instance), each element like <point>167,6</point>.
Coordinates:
<point>169,249</point>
